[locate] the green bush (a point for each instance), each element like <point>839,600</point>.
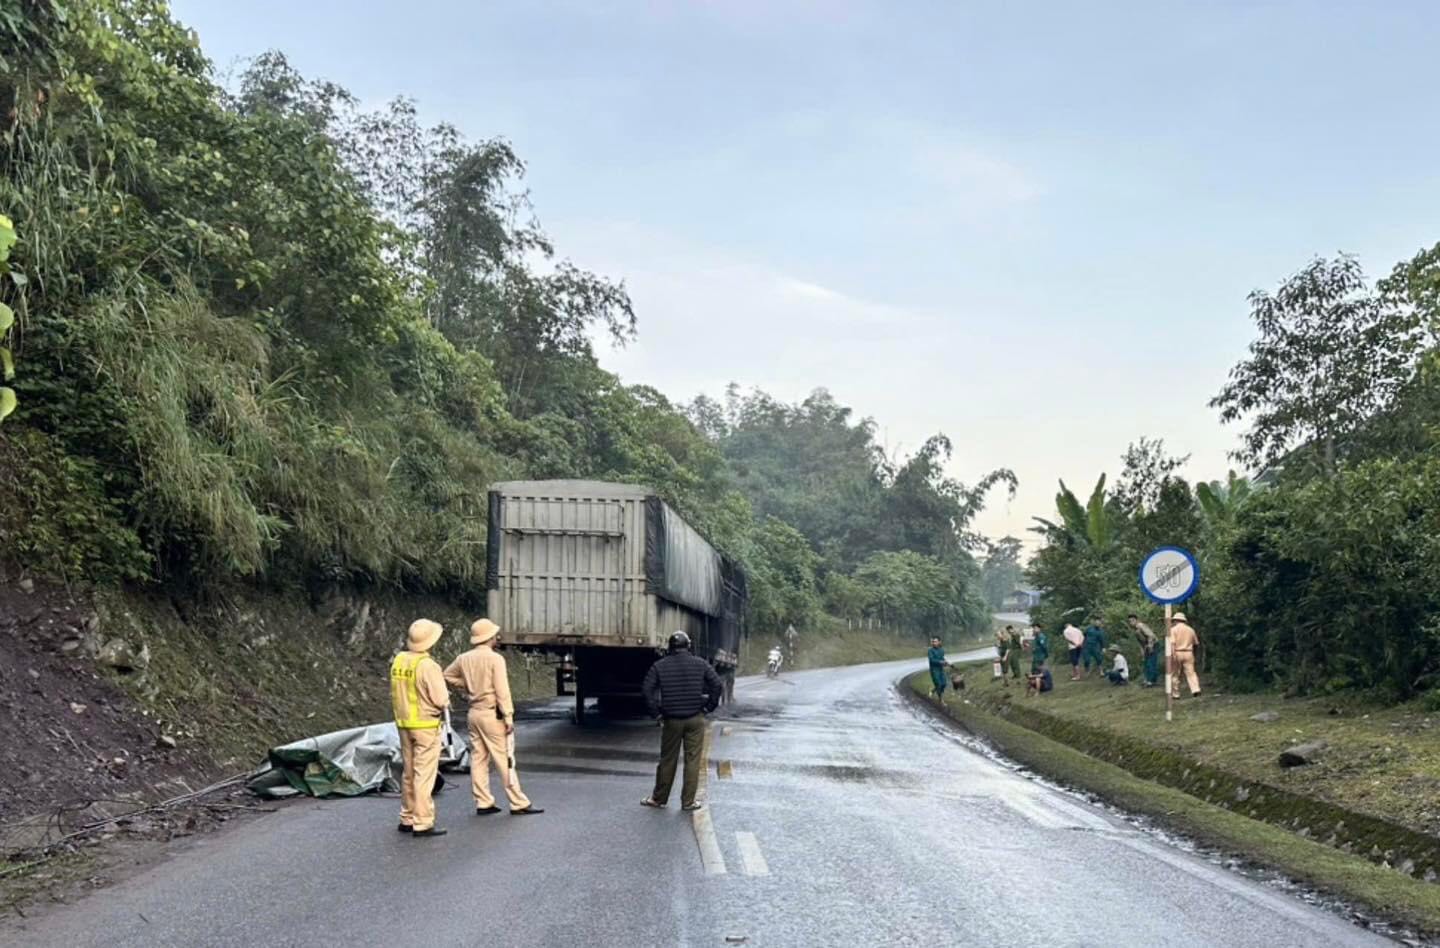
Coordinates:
<point>55,516</point>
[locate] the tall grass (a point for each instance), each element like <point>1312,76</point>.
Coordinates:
<point>244,470</point>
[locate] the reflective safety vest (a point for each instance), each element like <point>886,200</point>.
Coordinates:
<point>405,694</point>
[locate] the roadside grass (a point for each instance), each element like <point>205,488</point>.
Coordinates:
<point>1385,892</point>
<point>1381,761</point>
<point>25,883</point>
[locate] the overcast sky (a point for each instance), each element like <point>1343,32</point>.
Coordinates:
<point>1029,225</point>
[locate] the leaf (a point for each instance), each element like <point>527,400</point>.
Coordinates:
<point>1071,512</point>
<point>1098,519</point>
<point>1213,506</point>
<point>7,318</point>
<point>7,364</point>
<point>7,402</point>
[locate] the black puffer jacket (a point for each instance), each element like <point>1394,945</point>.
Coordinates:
<point>681,686</point>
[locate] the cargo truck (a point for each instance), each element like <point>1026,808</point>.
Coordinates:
<point>597,576</point>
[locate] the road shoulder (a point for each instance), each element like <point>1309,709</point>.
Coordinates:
<point>1383,893</point>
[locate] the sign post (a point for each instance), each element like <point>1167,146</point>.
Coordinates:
<point>1169,575</point>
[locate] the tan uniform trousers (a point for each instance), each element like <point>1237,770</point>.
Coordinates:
<point>1184,664</point>
<point>420,750</point>
<point>487,743</point>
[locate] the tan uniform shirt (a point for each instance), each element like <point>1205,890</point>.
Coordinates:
<point>480,673</point>
<point>430,685</point>
<point>1182,638</point>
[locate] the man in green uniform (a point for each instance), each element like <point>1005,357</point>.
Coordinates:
<point>1094,652</point>
<point>1039,650</point>
<point>1149,648</point>
<point>1011,653</point>
<point>936,657</point>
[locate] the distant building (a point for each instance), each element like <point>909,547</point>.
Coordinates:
<point>1022,600</point>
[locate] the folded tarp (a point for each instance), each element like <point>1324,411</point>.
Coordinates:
<point>346,763</point>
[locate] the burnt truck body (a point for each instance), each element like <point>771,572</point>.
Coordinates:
<point>597,576</point>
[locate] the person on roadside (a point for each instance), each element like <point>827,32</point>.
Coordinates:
<point>1037,683</point>
<point>936,657</point>
<point>1039,649</point>
<point>1149,650</point>
<point>1010,655</point>
<point>1119,673</point>
<point>1075,641</point>
<point>1183,642</point>
<point>680,689</point>
<point>482,675</point>
<point>1094,653</point>
<point>418,698</point>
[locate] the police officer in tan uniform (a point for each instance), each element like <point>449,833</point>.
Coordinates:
<point>419,697</point>
<point>481,674</point>
<point>1183,641</point>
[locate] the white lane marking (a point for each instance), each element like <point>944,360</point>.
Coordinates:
<point>750,855</point>
<point>710,855</point>
<point>1054,812</point>
<point>1033,811</point>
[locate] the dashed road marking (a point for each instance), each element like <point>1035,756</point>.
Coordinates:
<point>750,855</point>
<point>710,855</point>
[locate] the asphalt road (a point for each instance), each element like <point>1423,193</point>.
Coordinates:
<point>838,816</point>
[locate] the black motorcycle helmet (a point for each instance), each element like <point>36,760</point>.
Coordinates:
<point>679,642</point>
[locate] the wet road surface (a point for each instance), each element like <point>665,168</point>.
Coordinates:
<point>838,816</point>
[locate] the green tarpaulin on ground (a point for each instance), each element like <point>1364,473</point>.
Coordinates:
<point>346,763</point>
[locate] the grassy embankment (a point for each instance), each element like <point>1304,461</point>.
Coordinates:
<point>1211,775</point>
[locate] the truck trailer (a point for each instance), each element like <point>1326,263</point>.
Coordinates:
<point>597,576</point>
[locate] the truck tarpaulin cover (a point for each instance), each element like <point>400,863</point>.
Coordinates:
<point>679,565</point>
<point>345,763</point>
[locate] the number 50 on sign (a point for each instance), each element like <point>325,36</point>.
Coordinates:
<point>1170,575</point>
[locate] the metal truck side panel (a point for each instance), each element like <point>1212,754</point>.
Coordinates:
<point>679,565</point>
<point>587,563</point>
<point>569,561</point>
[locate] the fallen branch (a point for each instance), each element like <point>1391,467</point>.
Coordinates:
<point>86,829</point>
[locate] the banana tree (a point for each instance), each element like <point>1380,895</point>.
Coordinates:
<point>1090,524</point>
<point>1220,501</point>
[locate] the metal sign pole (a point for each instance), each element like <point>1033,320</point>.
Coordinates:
<point>1169,669</point>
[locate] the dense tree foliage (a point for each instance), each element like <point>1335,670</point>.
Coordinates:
<point>270,335</point>
<point>1330,355</point>
<point>1001,572</point>
<point>884,528</point>
<point>1326,576</point>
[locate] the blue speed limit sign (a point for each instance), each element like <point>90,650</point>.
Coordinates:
<point>1170,575</point>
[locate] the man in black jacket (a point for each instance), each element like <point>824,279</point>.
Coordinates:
<point>680,689</point>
